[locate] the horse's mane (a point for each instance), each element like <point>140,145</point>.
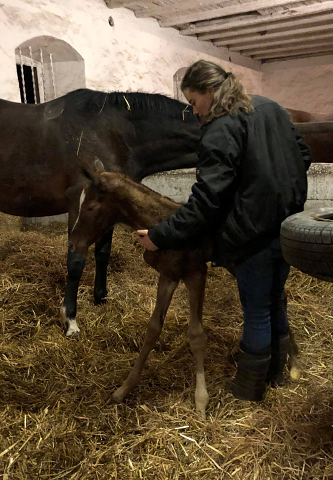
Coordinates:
<point>137,102</point>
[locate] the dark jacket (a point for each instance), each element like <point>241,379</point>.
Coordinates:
<point>251,175</point>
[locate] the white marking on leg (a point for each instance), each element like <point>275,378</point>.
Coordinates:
<point>72,327</point>
<point>82,197</point>
<point>295,370</point>
<point>201,395</point>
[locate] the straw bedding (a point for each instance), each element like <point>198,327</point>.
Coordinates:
<point>56,417</point>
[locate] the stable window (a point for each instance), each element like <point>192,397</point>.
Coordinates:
<point>47,68</point>
<point>28,84</point>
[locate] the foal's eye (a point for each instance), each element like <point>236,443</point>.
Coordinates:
<point>90,208</point>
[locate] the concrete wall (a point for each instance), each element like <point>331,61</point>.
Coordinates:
<point>177,185</point>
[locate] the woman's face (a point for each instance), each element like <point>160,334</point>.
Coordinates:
<point>200,102</point>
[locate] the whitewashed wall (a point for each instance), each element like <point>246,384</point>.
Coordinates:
<point>138,55</point>
<point>135,54</point>
<point>304,84</point>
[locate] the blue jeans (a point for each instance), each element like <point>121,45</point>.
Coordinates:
<point>261,279</point>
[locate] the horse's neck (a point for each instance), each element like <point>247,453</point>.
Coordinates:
<point>144,208</point>
<point>170,145</point>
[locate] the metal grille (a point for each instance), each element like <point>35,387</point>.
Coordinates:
<point>31,75</point>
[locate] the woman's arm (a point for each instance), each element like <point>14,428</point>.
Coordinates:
<point>219,156</point>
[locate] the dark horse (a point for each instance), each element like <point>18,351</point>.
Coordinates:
<point>137,134</point>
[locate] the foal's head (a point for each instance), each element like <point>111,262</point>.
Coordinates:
<point>99,208</point>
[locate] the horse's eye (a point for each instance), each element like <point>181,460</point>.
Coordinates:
<point>90,208</point>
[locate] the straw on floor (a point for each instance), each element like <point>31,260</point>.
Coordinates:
<point>56,417</point>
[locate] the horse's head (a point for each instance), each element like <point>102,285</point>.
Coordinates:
<point>98,209</point>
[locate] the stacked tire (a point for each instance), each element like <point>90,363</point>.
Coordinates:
<point>307,242</point>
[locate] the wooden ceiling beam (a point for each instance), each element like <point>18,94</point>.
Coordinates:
<point>291,39</point>
<point>283,55</point>
<point>180,7</point>
<point>292,46</point>
<point>128,3</point>
<point>264,27</point>
<point>295,57</point>
<point>270,36</point>
<point>254,22</point>
<point>223,12</point>
<point>315,48</point>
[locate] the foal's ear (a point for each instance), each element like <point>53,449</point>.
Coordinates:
<point>98,166</point>
<point>92,171</point>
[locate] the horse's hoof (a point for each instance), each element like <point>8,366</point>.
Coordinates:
<point>73,330</point>
<point>101,301</point>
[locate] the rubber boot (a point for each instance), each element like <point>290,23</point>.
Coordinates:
<point>250,380</point>
<point>279,352</point>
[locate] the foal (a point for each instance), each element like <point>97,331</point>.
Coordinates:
<point>112,198</point>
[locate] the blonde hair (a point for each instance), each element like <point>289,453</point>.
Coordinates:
<point>229,94</point>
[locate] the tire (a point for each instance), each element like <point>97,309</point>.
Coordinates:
<point>307,242</point>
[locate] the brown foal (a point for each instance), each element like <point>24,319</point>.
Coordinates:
<point>112,198</point>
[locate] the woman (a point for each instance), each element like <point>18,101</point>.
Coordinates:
<point>251,175</point>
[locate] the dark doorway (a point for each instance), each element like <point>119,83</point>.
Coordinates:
<point>29,88</point>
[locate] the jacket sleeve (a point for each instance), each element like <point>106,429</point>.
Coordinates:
<point>219,154</point>
<point>305,149</point>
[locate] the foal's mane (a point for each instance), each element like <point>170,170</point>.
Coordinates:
<point>150,104</point>
<point>123,180</point>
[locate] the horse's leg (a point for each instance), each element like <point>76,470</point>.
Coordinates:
<point>195,284</point>
<point>102,257</point>
<point>75,266</point>
<point>166,288</point>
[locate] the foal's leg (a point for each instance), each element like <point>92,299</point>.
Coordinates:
<point>294,366</point>
<point>102,257</point>
<point>166,288</point>
<point>195,284</point>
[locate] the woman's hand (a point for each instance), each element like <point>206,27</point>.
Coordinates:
<point>145,240</point>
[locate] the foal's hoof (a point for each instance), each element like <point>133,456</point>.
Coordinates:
<point>114,401</point>
<point>295,373</point>
<point>202,414</point>
<point>118,396</point>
